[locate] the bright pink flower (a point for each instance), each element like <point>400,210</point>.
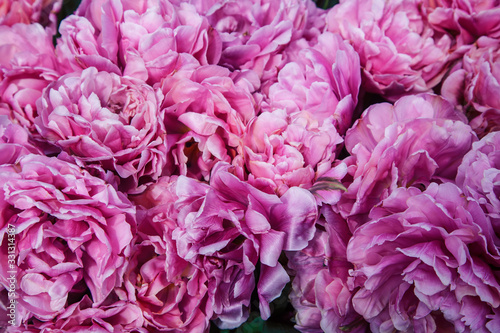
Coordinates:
<point>475,83</point>
<point>419,139</point>
<point>426,262</point>
<point>479,176</point>
<point>466,19</point>
<point>228,227</point>
<point>27,66</point>
<point>399,52</point>
<point>72,230</point>
<point>79,47</point>
<point>14,142</point>
<point>255,33</point>
<point>320,288</point>
<point>105,119</point>
<point>323,80</point>
<point>30,11</point>
<point>207,112</point>
<point>144,40</point>
<point>171,292</point>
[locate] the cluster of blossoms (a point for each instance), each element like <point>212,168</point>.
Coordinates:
<point>176,166</point>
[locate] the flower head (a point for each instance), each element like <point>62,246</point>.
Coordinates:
<point>400,53</point>
<point>426,261</point>
<point>72,230</point>
<point>102,118</point>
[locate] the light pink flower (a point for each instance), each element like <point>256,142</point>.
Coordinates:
<point>418,139</point>
<point>105,119</point>
<point>426,262</point>
<point>282,151</point>
<point>228,227</point>
<point>207,112</point>
<point>399,52</point>
<point>30,11</point>
<point>72,233</point>
<point>27,66</point>
<point>320,288</point>
<point>475,82</point>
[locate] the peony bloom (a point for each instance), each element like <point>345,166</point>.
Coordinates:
<point>228,227</point>
<point>102,118</point>
<point>30,11</point>
<point>475,83</point>
<point>72,230</point>
<point>79,48</point>
<point>14,142</point>
<point>144,40</point>
<point>467,20</point>
<point>323,80</point>
<point>255,33</point>
<point>282,151</point>
<point>411,143</point>
<point>399,51</point>
<point>320,288</point>
<point>27,66</point>
<point>207,112</point>
<point>426,262</point>
<point>171,292</point>
<point>479,176</point>
<point>84,316</point>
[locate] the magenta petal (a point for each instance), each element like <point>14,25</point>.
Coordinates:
<point>272,280</point>
<point>296,216</point>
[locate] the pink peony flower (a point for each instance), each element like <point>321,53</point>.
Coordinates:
<point>323,80</point>
<point>320,288</point>
<point>84,316</point>
<point>14,142</point>
<point>475,82</point>
<point>207,112</point>
<point>105,119</point>
<point>171,292</point>
<point>399,51</point>
<point>72,234</point>
<point>79,47</point>
<point>144,40</point>
<point>282,151</point>
<point>479,176</point>
<point>468,20</point>
<point>426,262</point>
<point>228,227</point>
<point>419,139</point>
<point>30,11</point>
<point>27,66</point>
<point>255,33</point>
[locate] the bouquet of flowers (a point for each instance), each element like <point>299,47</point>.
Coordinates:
<point>249,166</point>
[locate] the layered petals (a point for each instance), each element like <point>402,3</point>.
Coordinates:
<point>400,53</point>
<point>228,227</point>
<point>428,262</point>
<point>418,139</point>
<point>474,83</point>
<point>108,120</point>
<point>72,234</point>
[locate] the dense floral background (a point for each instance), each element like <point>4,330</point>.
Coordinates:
<point>249,166</point>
